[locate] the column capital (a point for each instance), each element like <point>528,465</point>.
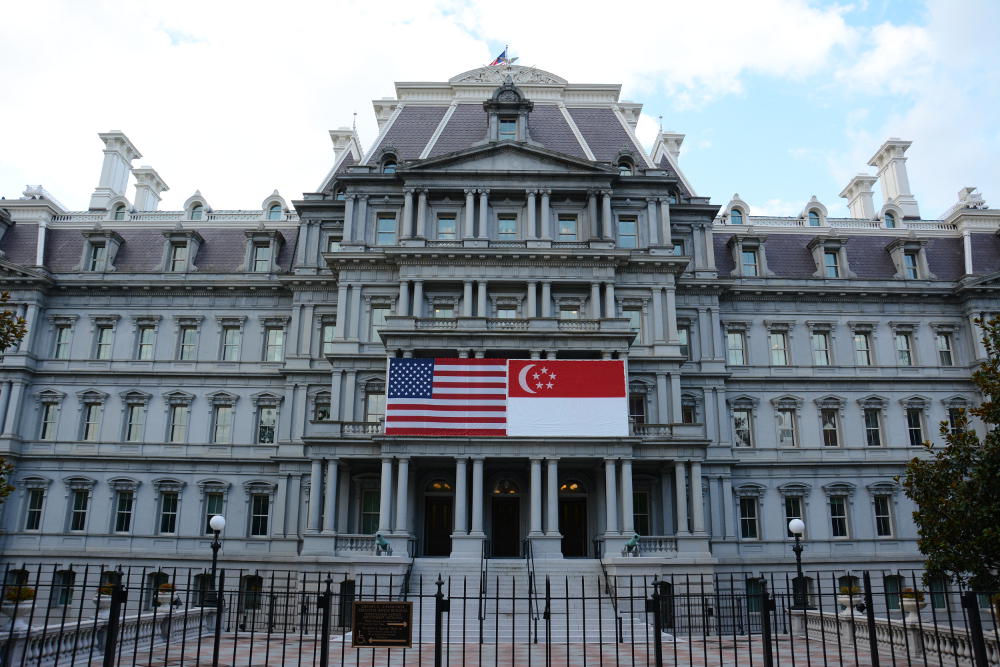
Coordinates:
<point>461,458</point>
<point>536,459</point>
<point>469,191</point>
<point>593,192</point>
<point>387,459</point>
<point>361,197</point>
<point>606,193</point>
<point>652,200</point>
<point>545,192</point>
<point>531,192</point>
<point>477,459</point>
<point>483,191</point>
<point>409,191</point>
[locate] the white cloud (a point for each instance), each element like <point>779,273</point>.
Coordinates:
<point>776,208</point>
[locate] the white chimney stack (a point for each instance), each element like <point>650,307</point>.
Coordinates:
<point>148,186</point>
<point>118,155</point>
<point>892,176</point>
<point>858,194</point>
<point>341,138</point>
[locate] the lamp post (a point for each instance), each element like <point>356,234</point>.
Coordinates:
<point>216,523</point>
<point>800,594</point>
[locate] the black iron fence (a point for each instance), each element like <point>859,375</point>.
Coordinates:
<point>93,615</point>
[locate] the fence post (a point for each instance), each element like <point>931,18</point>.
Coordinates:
<point>653,605</point>
<point>870,614</point>
<point>440,607</point>
<point>118,596</point>
<point>766,607</point>
<point>971,606</point>
<point>220,592</point>
<point>547,616</point>
<point>325,600</point>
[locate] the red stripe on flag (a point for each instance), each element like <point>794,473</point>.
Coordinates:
<point>479,432</point>
<point>448,420</point>
<point>438,408</point>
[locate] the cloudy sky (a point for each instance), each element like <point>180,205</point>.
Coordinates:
<point>779,99</point>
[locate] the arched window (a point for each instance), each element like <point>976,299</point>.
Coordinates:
<point>813,219</point>
<point>506,487</point>
<point>339,194</point>
<point>389,166</point>
<point>890,220</point>
<point>274,212</point>
<point>571,486</point>
<point>736,216</point>
<point>439,486</point>
<point>197,211</point>
<point>625,168</point>
<point>119,212</point>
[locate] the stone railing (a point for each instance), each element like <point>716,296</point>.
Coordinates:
<point>579,325</point>
<point>507,324</point>
<point>508,244</point>
<point>437,323</point>
<point>362,428</point>
<point>931,225</point>
<point>570,244</point>
<point>657,545</point>
<point>396,323</point>
<point>56,643</point>
<point>443,243</point>
<point>171,216</point>
<point>652,430</point>
<point>354,544</point>
<point>924,641</point>
<point>846,223</point>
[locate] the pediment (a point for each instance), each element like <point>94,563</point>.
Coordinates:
<point>11,271</point>
<point>508,157</point>
<point>991,280</point>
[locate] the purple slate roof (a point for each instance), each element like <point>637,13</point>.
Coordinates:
<point>603,133</point>
<point>349,161</point>
<point>413,129</point>
<point>985,254</point>
<point>19,244</point>
<point>547,126</point>
<point>664,164</point>
<point>946,258</point>
<point>465,127</point>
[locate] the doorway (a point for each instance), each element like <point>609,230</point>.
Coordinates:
<point>573,526</point>
<point>506,530</point>
<point>437,525</point>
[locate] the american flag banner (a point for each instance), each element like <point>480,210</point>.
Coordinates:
<point>456,397</point>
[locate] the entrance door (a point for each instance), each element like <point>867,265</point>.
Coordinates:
<point>437,526</point>
<point>506,527</point>
<point>573,526</point>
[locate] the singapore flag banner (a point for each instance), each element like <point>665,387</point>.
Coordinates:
<point>506,397</point>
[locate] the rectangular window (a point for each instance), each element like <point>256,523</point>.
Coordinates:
<point>883,516</point>
<point>507,130</point>
<point>628,233</point>
<point>569,313</point>
<point>33,513</point>
<point>78,510</point>
<point>567,228</point>
<point>178,256</point>
<point>91,421</point>
<point>328,331</point>
<point>955,420</point>
<point>793,510</point>
<point>684,336</point>
<point>260,505</point>
<point>104,340</point>
<point>261,257</point>
<point>213,506</point>
<point>385,229</point>
<point>828,419</point>
<point>321,412</point>
<point>910,270</point>
<point>778,341</point>
<point>124,501</point>
<point>187,343</point>
<point>444,311</point>
<point>736,348</point>
<point>634,316</point>
<point>61,348</point>
<point>379,314</point>
<point>915,426</point>
<point>749,529</point>
<point>786,427</point>
<point>862,349</point>
<point>873,427</point>
<point>333,244</point>
<point>98,257</point>
<point>945,356</point>
<point>678,248</point>
<point>637,408</point>
<point>369,511</point>
<point>374,406</point>
<point>749,260</point>
<point>144,347</point>
<point>838,516</point>
<point>179,416</point>
<point>640,512</point>
<point>447,230</point>
<point>134,419</point>
<point>831,264</point>
<point>168,512</point>
<point>223,431</point>
<point>48,426</point>
<point>743,427</point>
<point>689,414</point>
<point>904,353</point>
<point>507,228</point>
<point>232,339</point>
<point>267,420</point>
<point>821,348</point>
<point>274,345</point>
<point>506,313</point>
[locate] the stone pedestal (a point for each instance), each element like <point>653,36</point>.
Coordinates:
<point>467,546</point>
<point>546,546</point>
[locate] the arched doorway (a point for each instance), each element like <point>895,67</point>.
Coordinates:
<point>505,502</point>
<point>573,518</point>
<point>439,502</point>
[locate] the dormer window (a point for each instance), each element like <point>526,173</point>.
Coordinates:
<point>178,256</point>
<point>890,221</point>
<point>625,168</point>
<point>100,250</point>
<point>736,217</point>
<point>197,212</point>
<point>507,130</point>
<point>508,113</point>
<point>180,250</point>
<point>910,259</point>
<point>98,257</point>
<point>274,212</point>
<point>339,194</point>
<point>119,213</point>
<point>910,271</point>
<point>262,250</point>
<point>261,257</point>
<point>813,219</point>
<point>389,166</point>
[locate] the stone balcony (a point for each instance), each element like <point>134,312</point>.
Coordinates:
<point>369,430</point>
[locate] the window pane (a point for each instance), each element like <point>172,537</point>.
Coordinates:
<point>883,516</point>
<point>742,422</point>
<point>735,349</point>
<point>33,516</point>
<point>838,516</point>
<point>78,517</point>
<point>749,262</point>
<point>914,426</point>
<point>945,357</point>
<point>123,511</point>
<point>260,505</point>
<point>567,228</point>
<point>447,229</point>
<point>507,227</point>
<point>903,354</point>
<point>385,230</point>
<point>133,428</point>
<point>862,350</point>
<point>188,347</point>
<point>374,405</point>
<point>369,511</point>
<point>178,257</point>
<point>261,257</point>
<point>628,235</point>
<point>92,421</point>
<point>178,423</point>
<point>736,217</point>
<point>779,348</point>
<point>328,332</point>
<point>266,423</point>
<point>377,322</point>
<point>828,418</point>
<point>168,512</point>
<point>821,349</point>
<point>48,426</point>
<point>213,506</point>
<point>61,350</point>
<point>831,264</point>
<point>640,512</point>
<point>748,518</point>
<point>231,340</point>
<point>873,427</point>
<point>223,424</point>
<point>637,408</point>
<point>569,314</point>
<point>507,130</point>
<point>275,348</point>
<point>786,427</point>
<point>684,336</point>
<point>103,350</point>
<point>793,510</point>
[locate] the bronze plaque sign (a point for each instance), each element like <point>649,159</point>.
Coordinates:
<point>382,624</point>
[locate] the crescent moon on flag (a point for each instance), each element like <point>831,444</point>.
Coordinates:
<point>523,376</point>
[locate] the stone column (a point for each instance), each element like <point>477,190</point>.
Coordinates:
<point>709,247</point>
<point>546,216</point>
<point>361,219</point>
<point>718,342</point>
<point>680,496</point>
<point>664,225</point>
<point>610,496</point>
<point>552,497</point>
<point>348,232</point>
<point>697,499</point>
<point>330,511</point>
<point>665,474</point>
<point>484,213</point>
<point>336,380</point>
<point>728,528</point>
<point>536,497</point>
<point>546,299</point>
<point>467,299</point>
<point>481,311</point>
<point>403,305</point>
<point>662,412</point>
<point>531,235</point>
<point>652,221</point>
<point>628,512</point>
<point>406,224</point>
<point>385,497</point>
<point>532,293</point>
<point>595,301</point>
<point>672,336</point>
<point>657,314</point>
<point>461,496</point>
<point>675,397</point>
<point>607,222</point>
<point>403,495</point>
<point>418,298</point>
<point>315,494</point>
<point>350,390</point>
<point>609,300</point>
<point>422,215</point>
<point>704,335</point>
<point>477,498</point>
<point>342,309</point>
<point>595,232</point>
<point>470,213</point>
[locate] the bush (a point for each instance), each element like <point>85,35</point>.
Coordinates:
<point>106,589</point>
<point>166,588</point>
<point>910,594</point>
<point>850,590</point>
<point>19,594</point>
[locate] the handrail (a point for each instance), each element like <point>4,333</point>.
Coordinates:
<point>529,556</point>
<point>405,589</point>
<point>613,596</point>
<point>484,570</point>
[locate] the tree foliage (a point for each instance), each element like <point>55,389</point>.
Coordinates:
<point>957,488</point>
<point>12,330</point>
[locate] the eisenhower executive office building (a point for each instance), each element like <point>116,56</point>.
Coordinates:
<point>185,363</point>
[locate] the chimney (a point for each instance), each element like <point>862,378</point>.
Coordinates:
<point>118,155</point>
<point>858,194</point>
<point>148,186</point>
<point>341,138</point>
<point>892,176</point>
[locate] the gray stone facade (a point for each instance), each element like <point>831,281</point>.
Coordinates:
<point>185,363</point>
